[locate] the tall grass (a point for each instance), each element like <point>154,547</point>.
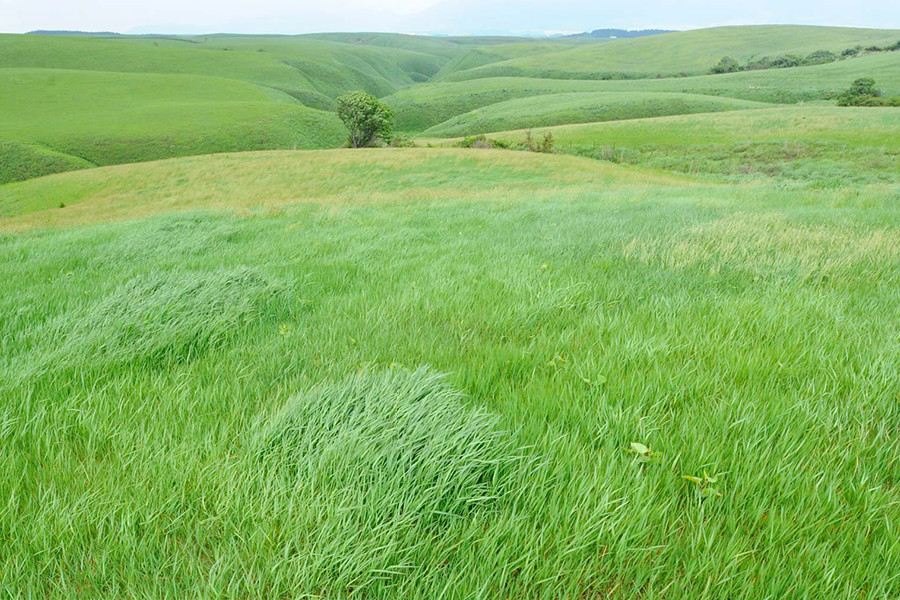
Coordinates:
<point>230,405</point>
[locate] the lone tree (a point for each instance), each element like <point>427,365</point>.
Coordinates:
<point>366,118</point>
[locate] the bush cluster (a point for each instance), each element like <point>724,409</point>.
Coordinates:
<point>784,61</point>
<point>546,145</point>
<point>864,93</point>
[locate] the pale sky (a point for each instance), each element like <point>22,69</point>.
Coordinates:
<point>429,16</point>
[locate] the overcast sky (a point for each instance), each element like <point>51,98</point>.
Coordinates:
<point>429,16</point>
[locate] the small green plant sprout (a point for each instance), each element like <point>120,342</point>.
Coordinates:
<point>643,454</point>
<point>704,484</point>
<point>594,380</point>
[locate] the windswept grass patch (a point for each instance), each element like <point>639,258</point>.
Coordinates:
<point>574,320</point>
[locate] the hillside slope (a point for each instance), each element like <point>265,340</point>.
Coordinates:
<point>113,118</point>
<point>690,52</point>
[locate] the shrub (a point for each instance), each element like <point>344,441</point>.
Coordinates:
<point>819,57</point>
<point>483,142</point>
<point>547,145</point>
<point>726,65</point>
<point>864,93</point>
<point>786,61</point>
<point>402,141</point>
<point>366,118</point>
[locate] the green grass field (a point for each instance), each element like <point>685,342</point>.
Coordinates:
<point>421,107</point>
<point>822,145</point>
<point>161,375</point>
<point>581,107</point>
<point>690,52</point>
<point>660,362</point>
<point>113,118</point>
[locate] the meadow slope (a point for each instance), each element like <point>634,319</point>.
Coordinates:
<point>686,52</point>
<point>824,146</point>
<point>581,107</point>
<point>220,378</point>
<point>113,118</point>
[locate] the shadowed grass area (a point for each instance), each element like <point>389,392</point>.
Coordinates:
<point>20,161</point>
<point>225,408</point>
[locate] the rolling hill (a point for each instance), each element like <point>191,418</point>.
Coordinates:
<point>689,52</point>
<point>825,146</point>
<point>97,118</point>
<point>581,107</point>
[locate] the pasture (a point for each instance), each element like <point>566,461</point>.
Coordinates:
<point>238,360</point>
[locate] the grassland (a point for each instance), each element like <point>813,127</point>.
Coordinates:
<point>157,373</point>
<point>285,178</point>
<point>113,118</point>
<point>133,99</point>
<point>421,107</point>
<point>820,145</point>
<point>659,363</point>
<point>689,52</point>
<point>581,107</point>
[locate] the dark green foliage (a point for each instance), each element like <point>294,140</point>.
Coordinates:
<point>864,93</point>
<point>19,162</point>
<point>864,86</point>
<point>366,118</point>
<point>819,57</point>
<point>785,61</point>
<point>726,65</point>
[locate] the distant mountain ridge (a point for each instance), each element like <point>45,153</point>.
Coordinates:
<point>73,32</point>
<point>621,33</point>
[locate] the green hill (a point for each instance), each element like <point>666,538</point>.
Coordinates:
<point>130,98</point>
<point>427,105</point>
<point>689,52</point>
<point>822,145</point>
<point>314,71</point>
<point>111,118</point>
<point>581,107</point>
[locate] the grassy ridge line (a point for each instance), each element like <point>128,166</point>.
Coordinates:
<point>313,70</point>
<point>690,52</point>
<point>427,105</point>
<point>114,118</point>
<point>278,179</point>
<point>581,107</point>
<point>746,331</point>
<point>819,144</point>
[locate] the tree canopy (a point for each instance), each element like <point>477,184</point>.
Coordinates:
<point>366,118</point>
